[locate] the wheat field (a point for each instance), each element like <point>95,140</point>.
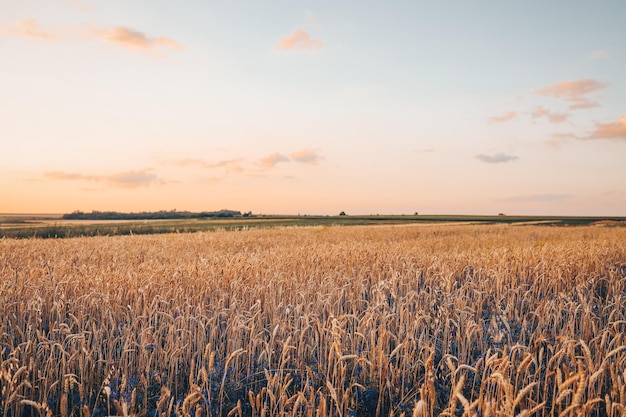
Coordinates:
<point>472,320</point>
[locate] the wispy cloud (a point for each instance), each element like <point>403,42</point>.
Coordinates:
<point>496,158</point>
<point>132,179</point>
<point>565,136</point>
<point>539,112</point>
<point>560,138</point>
<point>306,156</point>
<point>503,118</point>
<point>231,165</point>
<point>126,179</point>
<point>132,38</point>
<point>599,54</point>
<point>574,92</point>
<point>271,160</point>
<point>558,117</point>
<point>238,165</point>
<point>615,130</point>
<point>553,117</point>
<point>31,28</point>
<point>119,35</point>
<point>538,198</point>
<point>299,40</point>
<point>71,176</point>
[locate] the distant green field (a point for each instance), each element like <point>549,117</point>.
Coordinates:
<point>53,227</point>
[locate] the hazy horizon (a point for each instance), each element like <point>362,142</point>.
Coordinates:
<point>314,107</point>
<point>336,214</point>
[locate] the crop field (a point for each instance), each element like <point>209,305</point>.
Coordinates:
<point>435,320</point>
<point>53,226</point>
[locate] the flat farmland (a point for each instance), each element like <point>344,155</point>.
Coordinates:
<point>55,226</point>
<point>454,320</point>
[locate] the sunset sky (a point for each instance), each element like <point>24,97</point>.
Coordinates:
<point>286,107</point>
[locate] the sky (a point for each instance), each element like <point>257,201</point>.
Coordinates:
<point>313,107</point>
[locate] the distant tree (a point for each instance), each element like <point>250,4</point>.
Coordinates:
<point>149,215</point>
<point>343,213</point>
<point>501,214</point>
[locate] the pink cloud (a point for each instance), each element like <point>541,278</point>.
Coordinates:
<point>564,136</point>
<point>574,92</point>
<point>583,103</point>
<point>132,179</point>
<point>71,176</point>
<point>553,143</point>
<point>560,138</point>
<point>557,117</point>
<point>504,118</point>
<point>127,179</point>
<point>119,35</point>
<point>306,156</point>
<point>540,112</point>
<point>231,165</point>
<point>497,158</point>
<point>553,117</point>
<point>271,160</point>
<point>615,130</point>
<point>299,39</point>
<point>132,38</point>
<point>31,28</point>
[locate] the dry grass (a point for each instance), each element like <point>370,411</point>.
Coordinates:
<point>451,321</point>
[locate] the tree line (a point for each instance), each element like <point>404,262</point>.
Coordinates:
<point>153,215</point>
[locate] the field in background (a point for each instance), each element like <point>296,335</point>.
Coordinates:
<point>457,320</point>
<point>52,226</point>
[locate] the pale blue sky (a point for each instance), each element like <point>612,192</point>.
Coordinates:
<point>379,107</point>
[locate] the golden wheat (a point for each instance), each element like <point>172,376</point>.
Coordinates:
<point>328,321</point>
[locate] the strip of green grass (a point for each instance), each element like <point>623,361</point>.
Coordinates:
<point>63,229</point>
